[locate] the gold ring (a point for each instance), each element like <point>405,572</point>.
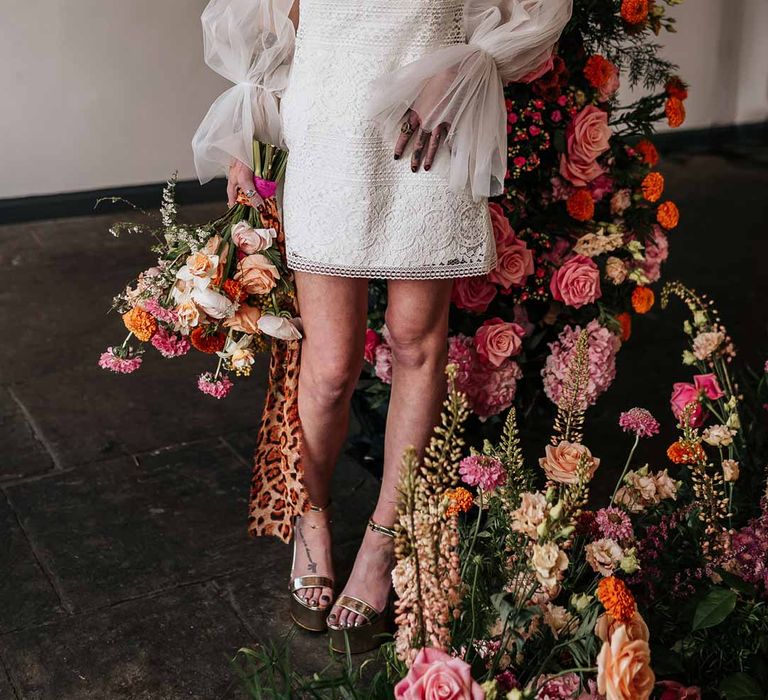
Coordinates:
<point>406,128</point>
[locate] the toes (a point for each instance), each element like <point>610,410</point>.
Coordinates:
<point>325,597</point>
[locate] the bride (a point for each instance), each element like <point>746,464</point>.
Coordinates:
<point>393,115</point>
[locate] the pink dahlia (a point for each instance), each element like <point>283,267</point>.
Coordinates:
<point>218,388</point>
<point>170,344</point>
<point>603,346</point>
<point>120,360</point>
<point>487,473</point>
<point>640,422</point>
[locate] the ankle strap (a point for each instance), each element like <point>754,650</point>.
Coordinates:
<point>318,509</point>
<point>375,527</point>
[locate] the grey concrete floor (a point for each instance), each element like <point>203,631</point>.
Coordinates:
<point>125,569</point>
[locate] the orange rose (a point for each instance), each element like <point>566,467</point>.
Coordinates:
<point>636,628</point>
<point>668,215</point>
<point>581,206</point>
<point>245,319</point>
<point>624,668</point>
<point>141,323</point>
<point>561,463</point>
<point>675,111</point>
<point>257,274</point>
<point>643,299</point>
<point>634,11</point>
<point>653,186</point>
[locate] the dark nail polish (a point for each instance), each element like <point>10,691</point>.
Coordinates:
<point>397,157</point>
<point>427,167</point>
<point>414,168</point>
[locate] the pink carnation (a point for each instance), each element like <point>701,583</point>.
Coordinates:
<point>217,388</point>
<point>152,306</point>
<point>487,473</point>
<point>170,344</point>
<point>603,346</point>
<point>382,362</point>
<point>119,360</point>
<point>656,253</point>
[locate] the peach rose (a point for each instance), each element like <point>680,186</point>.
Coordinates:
<point>245,319</point>
<point>252,240</point>
<point>200,264</point>
<point>435,675</point>
<point>188,316</point>
<point>473,293</point>
<point>496,340</point>
<point>577,282</point>
<point>606,625</point>
<point>624,668</point>
<point>514,264</point>
<point>587,138</point>
<point>257,274</point>
<point>561,463</point>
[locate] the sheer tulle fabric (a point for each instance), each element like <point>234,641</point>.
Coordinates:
<point>251,43</point>
<point>462,85</point>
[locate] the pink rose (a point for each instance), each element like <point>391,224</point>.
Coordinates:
<point>435,675</point>
<point>252,240</point>
<point>677,691</point>
<point>372,341</point>
<point>473,293</point>
<point>587,138</point>
<point>515,263</point>
<point>683,394</point>
<point>496,340</point>
<point>577,282</point>
<point>502,229</point>
<point>543,69</point>
<point>707,384</point>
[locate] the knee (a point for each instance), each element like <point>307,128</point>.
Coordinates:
<point>329,383</point>
<point>416,346</point>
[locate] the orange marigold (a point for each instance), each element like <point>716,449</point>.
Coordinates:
<point>617,599</point>
<point>625,321</point>
<point>668,215</point>
<point>653,186</point>
<point>581,206</point>
<point>207,342</point>
<point>234,290</point>
<point>681,452</point>
<point>675,111</point>
<point>643,299</point>
<point>677,88</point>
<point>634,11</point>
<point>141,323</point>
<point>461,501</point>
<point>647,152</point>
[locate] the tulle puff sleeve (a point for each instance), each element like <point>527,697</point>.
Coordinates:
<point>462,85</point>
<point>249,42</point>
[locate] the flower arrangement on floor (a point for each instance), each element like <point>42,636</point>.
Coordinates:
<point>511,584</point>
<point>581,231</point>
<point>222,288</point>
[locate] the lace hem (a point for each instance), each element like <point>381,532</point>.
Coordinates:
<point>447,271</point>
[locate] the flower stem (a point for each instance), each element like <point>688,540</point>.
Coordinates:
<point>127,338</point>
<point>474,533</point>
<point>626,467</point>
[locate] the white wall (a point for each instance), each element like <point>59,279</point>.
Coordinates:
<point>99,93</point>
<point>102,93</point>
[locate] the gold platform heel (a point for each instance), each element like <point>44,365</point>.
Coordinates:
<point>367,636</point>
<point>309,617</point>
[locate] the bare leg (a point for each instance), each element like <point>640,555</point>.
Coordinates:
<point>333,310</point>
<point>417,319</point>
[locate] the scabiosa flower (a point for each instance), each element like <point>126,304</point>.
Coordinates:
<point>218,388</point>
<point>153,307</point>
<point>120,360</point>
<point>487,473</point>
<point>614,524</point>
<point>170,344</point>
<point>640,422</point>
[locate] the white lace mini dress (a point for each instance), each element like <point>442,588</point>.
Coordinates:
<point>335,93</point>
<point>349,208</point>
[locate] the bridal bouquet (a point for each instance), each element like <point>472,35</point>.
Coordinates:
<point>222,288</point>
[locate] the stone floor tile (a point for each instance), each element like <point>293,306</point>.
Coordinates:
<point>22,453</point>
<point>168,647</point>
<point>117,529</point>
<point>26,592</point>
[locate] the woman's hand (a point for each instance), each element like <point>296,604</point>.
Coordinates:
<point>240,179</point>
<point>425,143</point>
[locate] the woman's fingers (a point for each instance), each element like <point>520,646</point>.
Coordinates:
<point>422,138</point>
<point>434,143</point>
<point>231,192</point>
<point>410,125</point>
<point>245,184</point>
